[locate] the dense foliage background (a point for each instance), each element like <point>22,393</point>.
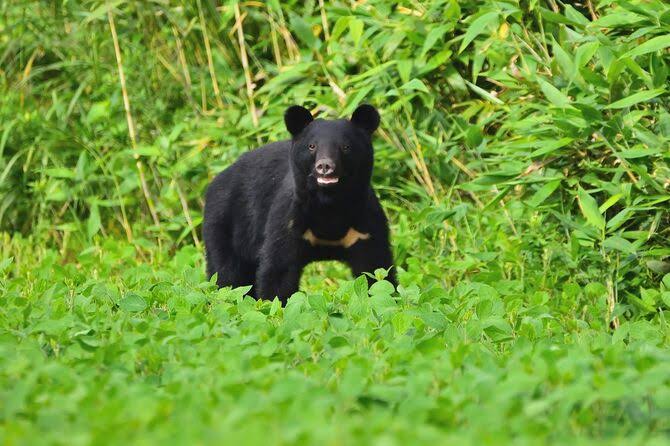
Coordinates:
<point>523,160</point>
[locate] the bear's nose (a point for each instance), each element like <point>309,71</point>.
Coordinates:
<point>325,166</point>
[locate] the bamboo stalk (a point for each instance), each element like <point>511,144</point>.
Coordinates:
<point>611,303</point>
<point>324,21</point>
<point>417,155</point>
<point>393,141</point>
<point>245,64</point>
<point>210,61</point>
<point>188,84</point>
<point>187,214</point>
<point>592,11</point>
<point>341,95</point>
<point>291,46</point>
<point>129,120</point>
<point>26,73</point>
<point>273,38</point>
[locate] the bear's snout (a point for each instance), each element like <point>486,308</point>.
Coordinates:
<point>326,172</point>
<point>325,166</point>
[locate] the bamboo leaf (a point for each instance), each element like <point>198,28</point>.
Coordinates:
<point>635,98</point>
<point>543,193</point>
<point>477,27</point>
<point>650,46</point>
<point>589,208</point>
<point>620,244</point>
<point>483,93</point>
<point>415,85</point>
<point>553,94</point>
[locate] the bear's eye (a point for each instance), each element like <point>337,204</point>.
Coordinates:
<point>311,147</point>
<point>346,148</point>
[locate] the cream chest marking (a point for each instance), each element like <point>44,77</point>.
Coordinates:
<point>349,239</point>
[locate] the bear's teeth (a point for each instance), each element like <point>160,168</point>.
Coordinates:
<point>325,180</point>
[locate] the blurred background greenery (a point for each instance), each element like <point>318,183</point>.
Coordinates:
<point>520,140</point>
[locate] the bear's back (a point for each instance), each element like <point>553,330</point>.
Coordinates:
<point>239,198</point>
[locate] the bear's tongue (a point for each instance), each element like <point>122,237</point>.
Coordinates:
<point>327,180</point>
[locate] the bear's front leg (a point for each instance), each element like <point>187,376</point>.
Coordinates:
<point>277,280</point>
<point>280,265</point>
<point>368,255</point>
<point>280,259</point>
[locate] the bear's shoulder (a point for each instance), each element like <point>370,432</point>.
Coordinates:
<point>279,149</point>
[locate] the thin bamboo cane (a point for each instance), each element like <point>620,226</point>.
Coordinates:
<point>129,120</point>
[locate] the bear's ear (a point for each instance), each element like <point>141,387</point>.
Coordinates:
<point>366,117</point>
<point>297,118</point>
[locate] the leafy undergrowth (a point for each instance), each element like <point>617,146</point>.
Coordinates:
<point>105,348</point>
<point>523,163</point>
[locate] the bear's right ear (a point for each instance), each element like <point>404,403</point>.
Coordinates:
<point>297,118</point>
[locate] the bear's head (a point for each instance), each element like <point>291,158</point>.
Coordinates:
<point>332,156</point>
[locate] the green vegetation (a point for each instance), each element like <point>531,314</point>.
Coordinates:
<point>523,160</point>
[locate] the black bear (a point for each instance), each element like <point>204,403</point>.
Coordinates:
<point>286,204</point>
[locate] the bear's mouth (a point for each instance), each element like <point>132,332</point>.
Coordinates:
<point>323,180</point>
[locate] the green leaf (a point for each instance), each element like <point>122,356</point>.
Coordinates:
<point>553,94</point>
<point>620,244</point>
<point>659,267</point>
<point>609,203</point>
<point>585,52</point>
<point>549,146</point>
<point>436,60</point>
<point>665,297</point>
<point>275,307</point>
<point>589,208</point>
<point>355,30</point>
<point>415,85</point>
<point>477,27</point>
<point>60,172</point>
<point>650,46</point>
<point>576,16</point>
<point>254,317</point>
<point>641,152</point>
<point>636,98</point>
<point>619,18</point>
<point>543,193</point>
<point>318,302</point>
<point>433,36</point>
<point>5,264</point>
<point>619,219</point>
<point>434,319</point>
<point>303,31</point>
<point>483,93</point>
<point>93,224</point>
<point>404,67</point>
<point>340,26</point>
<point>148,150</point>
<point>98,112</point>
<point>381,287</point>
<point>132,303</point>
<point>565,60</point>
<point>401,322</point>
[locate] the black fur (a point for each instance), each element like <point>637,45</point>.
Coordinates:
<point>258,209</point>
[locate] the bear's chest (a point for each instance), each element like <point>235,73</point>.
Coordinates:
<point>349,239</point>
<point>332,230</point>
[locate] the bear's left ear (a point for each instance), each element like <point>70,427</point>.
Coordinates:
<point>297,118</point>
<point>366,117</point>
